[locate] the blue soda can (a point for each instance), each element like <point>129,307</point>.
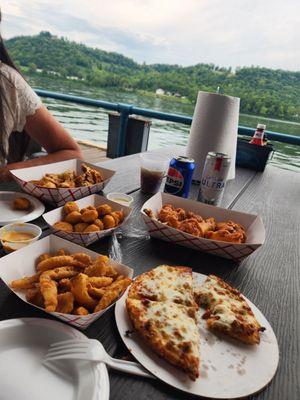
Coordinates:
<point>179,176</point>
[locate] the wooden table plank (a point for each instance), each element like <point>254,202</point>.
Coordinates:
<point>271,278</point>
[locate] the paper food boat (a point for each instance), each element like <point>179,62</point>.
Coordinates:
<point>255,230</point>
<point>22,263</point>
<point>85,239</point>
<point>58,196</point>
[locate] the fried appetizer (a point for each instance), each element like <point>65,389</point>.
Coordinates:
<point>63,226</point>
<point>80,291</point>
<point>80,227</point>
<point>35,297</point>
<point>72,283</point>
<point>69,179</point>
<point>104,209</point>
<point>73,218</point>
<point>25,283</point>
<point>54,262</point>
<point>81,311</point>
<point>109,221</point>
<point>89,216</point>
<point>189,222</point>
<point>70,207</point>
<point>98,268</point>
<point>91,228</point>
<point>21,203</point>
<point>49,292</point>
<point>65,303</point>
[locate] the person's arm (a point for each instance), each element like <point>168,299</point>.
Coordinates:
<point>51,135</point>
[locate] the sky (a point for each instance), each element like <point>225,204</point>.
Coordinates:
<point>186,32</point>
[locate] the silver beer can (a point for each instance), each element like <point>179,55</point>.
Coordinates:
<point>214,178</point>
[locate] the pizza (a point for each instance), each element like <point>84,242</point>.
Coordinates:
<point>170,330</point>
<point>165,283</point>
<point>227,311</point>
<point>162,309</point>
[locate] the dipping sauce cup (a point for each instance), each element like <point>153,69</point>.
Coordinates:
<point>17,235</point>
<point>153,169</point>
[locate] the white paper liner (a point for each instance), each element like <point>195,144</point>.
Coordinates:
<point>21,263</point>
<point>85,239</point>
<point>253,224</point>
<point>58,196</point>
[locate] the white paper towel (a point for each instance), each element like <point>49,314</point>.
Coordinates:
<point>214,128</point>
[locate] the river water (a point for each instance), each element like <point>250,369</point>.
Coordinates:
<point>89,123</point>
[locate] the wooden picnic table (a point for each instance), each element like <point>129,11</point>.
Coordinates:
<point>270,277</point>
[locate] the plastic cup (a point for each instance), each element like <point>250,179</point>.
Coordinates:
<point>153,170</point>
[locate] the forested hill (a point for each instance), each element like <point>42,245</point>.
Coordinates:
<point>274,93</point>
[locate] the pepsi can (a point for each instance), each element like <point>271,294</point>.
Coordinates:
<point>179,176</point>
<point>214,178</point>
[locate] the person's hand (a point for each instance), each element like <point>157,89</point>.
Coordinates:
<point>5,174</point>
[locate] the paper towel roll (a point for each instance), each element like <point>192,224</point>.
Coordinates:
<point>214,128</point>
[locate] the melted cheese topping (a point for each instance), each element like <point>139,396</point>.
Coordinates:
<point>173,323</point>
<point>168,284</point>
<point>225,304</point>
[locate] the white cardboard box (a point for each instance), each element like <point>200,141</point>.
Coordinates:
<point>253,224</point>
<point>22,263</point>
<point>58,196</point>
<point>85,239</point>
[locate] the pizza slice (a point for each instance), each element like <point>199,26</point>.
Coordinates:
<point>170,329</point>
<point>227,310</point>
<point>165,283</point>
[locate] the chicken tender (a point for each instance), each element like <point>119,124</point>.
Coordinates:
<point>98,268</point>
<point>25,283</point>
<point>60,273</point>
<point>61,252</point>
<point>49,291</point>
<point>100,281</point>
<point>83,258</point>
<point>112,293</point>
<point>95,292</point>
<point>65,303</point>
<point>54,262</point>
<point>63,226</point>
<point>80,291</point>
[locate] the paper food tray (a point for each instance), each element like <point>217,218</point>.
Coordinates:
<point>255,230</point>
<point>58,196</point>
<point>87,238</point>
<point>22,263</point>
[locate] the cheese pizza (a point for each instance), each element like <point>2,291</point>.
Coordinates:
<point>162,309</point>
<point>227,310</point>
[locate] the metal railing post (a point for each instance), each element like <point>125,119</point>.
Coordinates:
<point>125,111</point>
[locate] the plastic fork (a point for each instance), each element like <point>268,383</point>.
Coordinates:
<point>92,350</point>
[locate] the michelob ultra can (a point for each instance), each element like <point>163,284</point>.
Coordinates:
<point>179,176</point>
<point>213,178</point>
